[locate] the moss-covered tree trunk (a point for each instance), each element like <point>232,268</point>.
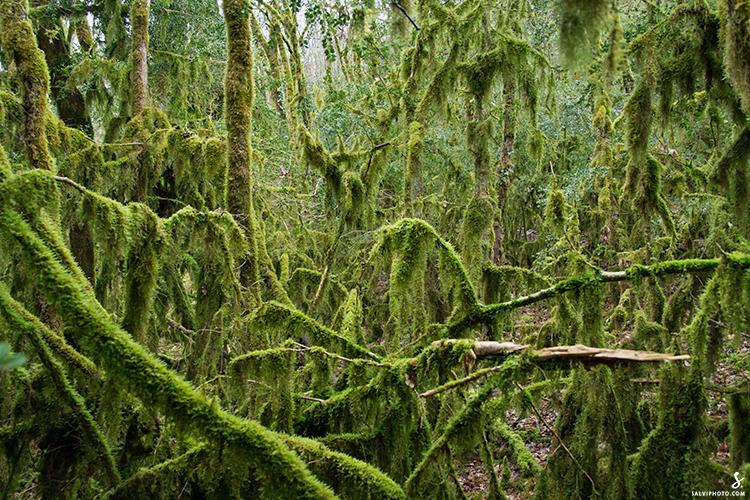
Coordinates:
<point>19,44</point>
<point>238,95</point>
<point>139,55</point>
<point>70,103</point>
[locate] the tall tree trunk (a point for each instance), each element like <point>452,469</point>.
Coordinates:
<point>238,95</point>
<point>19,44</point>
<point>139,55</point>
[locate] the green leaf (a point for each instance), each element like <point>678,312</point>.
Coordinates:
<point>9,361</point>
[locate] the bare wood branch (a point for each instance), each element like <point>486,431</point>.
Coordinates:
<point>587,355</point>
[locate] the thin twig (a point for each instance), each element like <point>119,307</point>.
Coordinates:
<point>372,151</point>
<point>70,182</point>
<point>308,398</point>
<point>342,358</point>
<point>559,439</point>
<point>402,9</point>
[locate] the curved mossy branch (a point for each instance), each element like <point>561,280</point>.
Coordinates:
<point>486,315</point>
<point>19,43</point>
<point>277,314</point>
<point>16,314</point>
<point>283,473</point>
<point>349,478</point>
<point>150,476</point>
<point>450,262</point>
<point>18,318</point>
<point>465,426</point>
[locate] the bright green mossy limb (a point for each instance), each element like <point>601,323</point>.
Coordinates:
<point>283,474</point>
<point>18,318</point>
<point>486,315</point>
<point>146,481</point>
<point>277,315</point>
<point>19,44</point>
<point>15,313</point>
<point>519,453</point>
<point>348,477</point>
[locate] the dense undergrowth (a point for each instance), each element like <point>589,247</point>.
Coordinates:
<point>287,287</point>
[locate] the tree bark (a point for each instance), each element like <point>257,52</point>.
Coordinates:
<point>139,55</point>
<point>238,105</point>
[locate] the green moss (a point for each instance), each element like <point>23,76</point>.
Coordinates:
<point>238,104</point>
<point>555,211</point>
<point>673,460</point>
<point>146,377</point>
<point>19,44</point>
<point>413,171</point>
<point>477,220</point>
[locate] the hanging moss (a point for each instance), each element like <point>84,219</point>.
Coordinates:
<point>739,418</point>
<point>581,23</point>
<point>477,220</point>
<point>19,43</point>
<point>672,460</point>
<point>156,385</point>
<point>555,211</point>
<point>736,49</point>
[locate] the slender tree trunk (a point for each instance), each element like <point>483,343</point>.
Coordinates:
<point>509,125</point>
<point>270,49</point>
<point>139,55</point>
<point>295,59</point>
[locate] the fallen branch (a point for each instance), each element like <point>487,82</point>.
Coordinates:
<point>587,355</point>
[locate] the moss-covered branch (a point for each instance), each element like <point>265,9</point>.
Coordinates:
<point>486,315</point>
<point>586,355</point>
<point>275,314</point>
<point>18,318</point>
<point>282,472</point>
<point>14,313</point>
